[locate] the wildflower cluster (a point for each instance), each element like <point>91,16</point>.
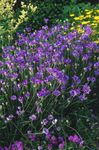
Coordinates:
<point>39,73</point>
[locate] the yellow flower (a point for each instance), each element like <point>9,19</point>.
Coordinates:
<point>89,12</point>
<point>78,26</point>
<point>87,16</point>
<point>81,17</point>
<point>96,17</point>
<point>72,28</point>
<point>71,15</point>
<point>85,22</point>
<point>80,30</point>
<point>76,18</point>
<point>97,11</point>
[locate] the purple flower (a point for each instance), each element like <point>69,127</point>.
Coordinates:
<point>56,92</point>
<point>96,65</point>
<point>67,61</point>
<point>27,94</point>
<point>82,97</point>
<point>75,92</point>
<point>32,137</point>
<point>73,138</point>
<point>92,79</point>
<point>14,75</point>
<point>20,99</point>
<point>45,131</point>
<point>19,145</point>
<point>85,57</point>
<point>46,20</point>
<point>50,117</point>
<point>86,89</point>
<point>43,92</point>
<point>33,117</point>
<point>44,122</point>
<point>97,72</point>
<point>25,82</point>
<point>9,118</point>
<point>54,140</point>
<point>76,139</point>
<point>61,145</point>
<point>76,79</point>
<point>40,148</point>
<point>19,111</point>
<point>13,97</point>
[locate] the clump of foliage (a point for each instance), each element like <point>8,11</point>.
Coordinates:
<point>47,77</point>
<point>11,20</point>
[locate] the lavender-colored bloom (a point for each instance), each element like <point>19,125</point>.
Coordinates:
<point>75,53</point>
<point>46,20</point>
<point>56,92</point>
<point>67,61</point>
<point>40,148</point>
<point>45,131</point>
<point>61,145</point>
<point>86,89</point>
<point>32,137</point>
<point>43,92</point>
<point>44,122</point>
<point>76,139</point>
<point>19,145</point>
<point>75,92</point>
<point>85,57</point>
<point>27,94</point>
<point>13,97</point>
<point>96,65</point>
<point>14,75</point>
<point>25,82</point>
<point>97,72</point>
<point>9,118</point>
<point>19,112</point>
<point>91,79</point>
<point>33,117</point>
<point>50,117</point>
<point>54,140</point>
<point>76,79</point>
<point>82,97</point>
<point>20,99</point>
<point>49,78</point>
